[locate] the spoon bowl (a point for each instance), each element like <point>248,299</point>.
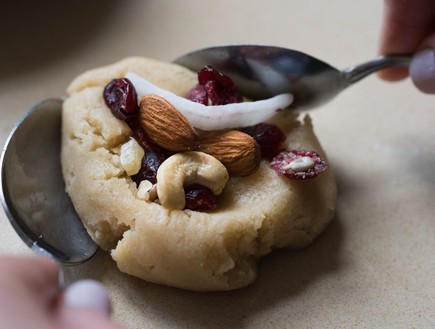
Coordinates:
<point>265,71</point>
<point>33,190</point>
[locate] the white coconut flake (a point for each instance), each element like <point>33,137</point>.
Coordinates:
<point>215,117</point>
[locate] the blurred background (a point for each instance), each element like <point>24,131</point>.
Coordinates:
<point>373,266</point>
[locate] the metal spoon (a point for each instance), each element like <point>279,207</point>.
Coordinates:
<point>33,190</point>
<point>265,71</point>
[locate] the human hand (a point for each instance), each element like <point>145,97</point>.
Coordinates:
<point>409,28</point>
<point>29,298</point>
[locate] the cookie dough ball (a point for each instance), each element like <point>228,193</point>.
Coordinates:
<point>203,251</point>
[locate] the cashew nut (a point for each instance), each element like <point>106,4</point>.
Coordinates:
<point>187,168</point>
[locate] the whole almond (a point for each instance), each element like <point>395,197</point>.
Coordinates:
<point>238,152</point>
<point>165,125</point>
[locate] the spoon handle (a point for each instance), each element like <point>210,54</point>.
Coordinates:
<point>355,73</point>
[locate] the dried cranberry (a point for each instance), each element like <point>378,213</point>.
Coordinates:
<point>308,164</point>
<point>214,88</point>
<point>221,96</point>
<point>142,137</point>
<point>209,73</point>
<point>150,164</point>
<point>198,94</point>
<point>268,136</point>
<point>199,197</point>
<point>121,98</point>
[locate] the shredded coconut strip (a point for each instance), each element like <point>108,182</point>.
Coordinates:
<point>215,117</point>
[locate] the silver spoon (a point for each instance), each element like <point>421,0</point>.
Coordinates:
<point>265,71</point>
<point>33,190</point>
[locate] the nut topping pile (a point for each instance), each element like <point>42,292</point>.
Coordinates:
<point>189,167</point>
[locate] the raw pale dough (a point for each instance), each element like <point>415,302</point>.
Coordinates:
<point>203,251</point>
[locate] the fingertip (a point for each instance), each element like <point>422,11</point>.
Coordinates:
<point>87,294</point>
<point>393,74</point>
<point>35,271</point>
<point>74,317</point>
<point>422,70</point>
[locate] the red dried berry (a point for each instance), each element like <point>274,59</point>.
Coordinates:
<point>218,95</point>
<point>199,197</point>
<point>198,94</point>
<point>308,164</point>
<point>268,136</point>
<point>209,73</point>
<point>142,137</point>
<point>214,88</point>
<point>121,98</point>
<point>150,164</point>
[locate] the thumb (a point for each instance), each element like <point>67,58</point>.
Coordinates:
<point>422,67</point>
<point>85,304</point>
<point>88,294</point>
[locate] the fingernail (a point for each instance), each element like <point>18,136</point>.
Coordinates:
<point>422,70</point>
<point>88,294</point>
